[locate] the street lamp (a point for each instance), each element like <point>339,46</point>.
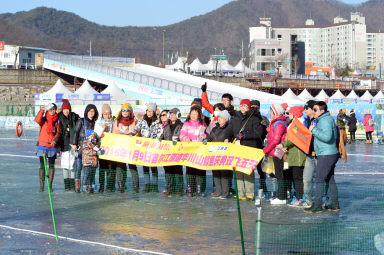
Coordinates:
<point>163,46</point>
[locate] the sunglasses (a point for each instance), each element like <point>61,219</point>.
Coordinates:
<point>125,110</point>
<point>315,109</point>
<point>163,115</point>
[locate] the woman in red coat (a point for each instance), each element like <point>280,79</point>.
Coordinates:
<point>369,124</point>
<point>47,142</point>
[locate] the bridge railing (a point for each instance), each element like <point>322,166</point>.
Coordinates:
<point>90,63</point>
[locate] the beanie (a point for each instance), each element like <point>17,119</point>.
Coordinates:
<point>175,111</point>
<point>277,109</point>
<point>246,102</point>
<point>255,102</point>
<point>197,100</point>
<point>152,107</point>
<point>297,111</point>
<point>285,106</point>
<point>127,106</point>
<point>49,106</point>
<point>106,108</point>
<point>65,105</point>
<point>224,114</point>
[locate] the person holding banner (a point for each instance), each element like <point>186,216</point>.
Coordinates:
<point>249,132</point>
<point>173,174</point>
<point>325,136</point>
<point>193,130</point>
<point>150,127</point>
<point>87,123</point>
<point>50,133</point>
<point>295,159</point>
<point>124,124</point>
<point>67,120</point>
<point>277,132</point>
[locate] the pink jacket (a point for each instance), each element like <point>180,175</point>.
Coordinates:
<point>193,130</point>
<point>276,135</point>
<point>368,128</point>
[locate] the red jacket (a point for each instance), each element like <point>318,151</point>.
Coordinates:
<point>46,139</point>
<point>276,135</point>
<point>205,102</point>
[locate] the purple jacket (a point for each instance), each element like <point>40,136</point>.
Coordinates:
<point>193,130</point>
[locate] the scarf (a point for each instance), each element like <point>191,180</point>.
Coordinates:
<point>126,121</point>
<point>51,120</point>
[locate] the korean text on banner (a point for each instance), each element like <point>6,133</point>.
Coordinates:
<point>151,152</point>
<point>299,135</point>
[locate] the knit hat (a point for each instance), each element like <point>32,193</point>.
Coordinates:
<point>224,114</point>
<point>127,106</point>
<point>246,102</point>
<point>65,105</point>
<point>106,108</point>
<point>175,111</point>
<point>285,106</point>
<point>152,107</point>
<point>255,102</point>
<point>197,100</point>
<point>297,111</point>
<point>49,106</point>
<point>277,109</point>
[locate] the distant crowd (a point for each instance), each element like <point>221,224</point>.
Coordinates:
<point>294,173</point>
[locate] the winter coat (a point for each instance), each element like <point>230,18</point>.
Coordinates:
<point>276,135</point>
<point>119,128</point>
<point>79,135</point>
<point>295,156</point>
<point>171,131</point>
<point>89,157</point>
<point>68,132</point>
<point>193,130</point>
<point>352,122</point>
<point>220,134</point>
<point>325,134</point>
<point>368,128</point>
<point>341,117</point>
<point>253,130</point>
<point>46,139</point>
<point>154,131</point>
<point>99,126</point>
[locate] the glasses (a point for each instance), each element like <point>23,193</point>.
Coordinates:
<point>125,110</point>
<point>244,105</point>
<point>163,115</point>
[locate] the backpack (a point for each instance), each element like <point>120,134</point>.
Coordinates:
<point>371,122</point>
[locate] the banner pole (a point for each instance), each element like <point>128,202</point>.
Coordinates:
<point>50,197</point>
<point>239,212</point>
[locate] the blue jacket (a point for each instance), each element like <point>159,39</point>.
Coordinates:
<point>325,134</point>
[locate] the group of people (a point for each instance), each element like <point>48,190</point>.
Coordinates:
<point>78,141</point>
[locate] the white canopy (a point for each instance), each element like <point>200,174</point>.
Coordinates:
<point>305,95</point>
<point>290,96</point>
<point>352,95</point>
<point>379,95</point>
<point>180,64</point>
<point>196,65</point>
<point>322,96</point>
<point>243,68</point>
<point>116,93</point>
<point>55,94</point>
<point>58,88</point>
<point>366,95</point>
<point>337,95</point>
<point>86,88</point>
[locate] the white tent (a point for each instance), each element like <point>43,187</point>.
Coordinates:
<point>55,94</point>
<point>352,95</point>
<point>322,96</point>
<point>58,88</point>
<point>291,97</point>
<point>116,94</point>
<point>85,92</point>
<point>366,96</point>
<point>379,95</point>
<point>181,64</point>
<point>243,68</point>
<point>226,66</point>
<point>305,96</point>
<point>196,66</point>
<point>337,95</point>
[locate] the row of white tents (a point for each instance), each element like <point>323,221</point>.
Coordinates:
<point>210,66</point>
<point>112,94</point>
<point>322,96</point>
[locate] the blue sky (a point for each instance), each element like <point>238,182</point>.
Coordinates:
<point>127,12</point>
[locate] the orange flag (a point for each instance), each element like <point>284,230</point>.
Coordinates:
<point>299,135</point>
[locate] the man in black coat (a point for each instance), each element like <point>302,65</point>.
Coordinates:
<point>352,125</point>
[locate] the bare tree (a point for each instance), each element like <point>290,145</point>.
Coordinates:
<point>16,51</point>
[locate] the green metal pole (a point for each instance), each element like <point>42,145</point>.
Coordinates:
<point>50,197</point>
<point>239,212</point>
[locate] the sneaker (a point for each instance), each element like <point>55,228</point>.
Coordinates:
<point>200,194</point>
<point>304,204</point>
<point>215,196</point>
<point>333,207</point>
<point>250,198</point>
<point>240,198</point>
<point>223,197</point>
<point>295,202</point>
<point>179,194</point>
<point>166,193</point>
<point>314,209</point>
<point>277,201</point>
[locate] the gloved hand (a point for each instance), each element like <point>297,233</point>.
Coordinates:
<point>204,87</point>
<point>159,139</point>
<point>240,136</point>
<point>100,152</point>
<point>205,141</point>
<point>174,142</point>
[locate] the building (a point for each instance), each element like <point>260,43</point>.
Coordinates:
<point>341,44</point>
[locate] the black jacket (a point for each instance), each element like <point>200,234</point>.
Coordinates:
<point>67,125</point>
<point>172,130</point>
<point>253,130</point>
<point>219,134</point>
<point>79,135</point>
<point>352,122</point>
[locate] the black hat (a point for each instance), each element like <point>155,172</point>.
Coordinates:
<point>310,104</point>
<point>255,102</point>
<point>198,100</point>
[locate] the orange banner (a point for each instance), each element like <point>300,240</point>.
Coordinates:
<point>299,135</point>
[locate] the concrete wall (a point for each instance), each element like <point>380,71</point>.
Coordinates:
<point>40,77</point>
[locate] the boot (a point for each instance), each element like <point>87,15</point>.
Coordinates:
<point>51,175</point>
<point>121,187</point>
<point>101,189</point>
<point>155,188</point>
<point>71,184</point>
<point>77,185</point>
<point>200,192</point>
<point>179,187</point>
<point>135,181</point>
<point>147,188</point>
<point>189,191</point>
<point>66,184</point>
<point>155,185</point>
<point>42,179</point>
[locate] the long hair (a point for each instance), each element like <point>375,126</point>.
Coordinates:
<point>131,116</point>
<point>152,119</point>
<point>166,111</point>
<point>198,109</point>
